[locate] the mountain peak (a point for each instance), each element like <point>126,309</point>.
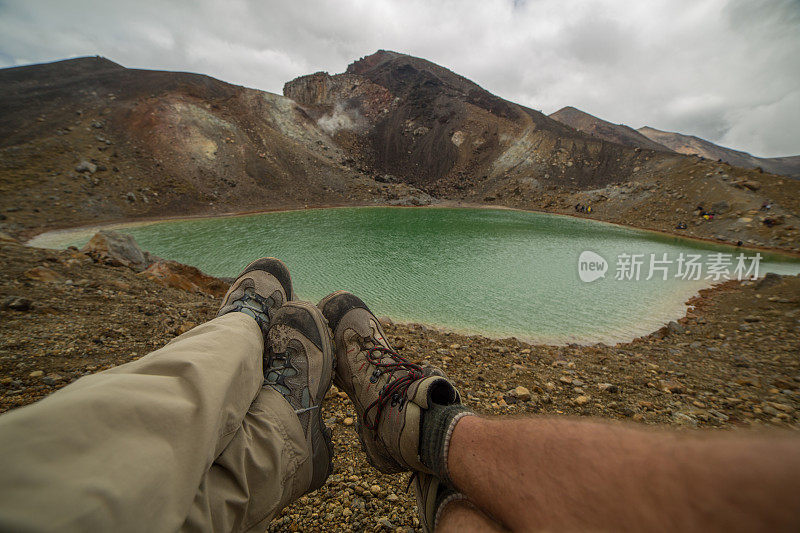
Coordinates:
<point>373,60</point>
<point>602,129</point>
<point>66,68</point>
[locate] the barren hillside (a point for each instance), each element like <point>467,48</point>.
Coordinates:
<point>689,144</point>
<point>597,127</point>
<point>86,140</point>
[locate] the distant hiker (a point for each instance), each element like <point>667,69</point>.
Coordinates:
<point>589,209</point>
<point>223,427</point>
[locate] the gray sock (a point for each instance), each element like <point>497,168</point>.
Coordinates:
<point>437,425</point>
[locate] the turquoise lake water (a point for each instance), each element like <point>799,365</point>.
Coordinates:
<point>495,272</point>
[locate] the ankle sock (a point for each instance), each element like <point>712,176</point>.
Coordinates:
<point>444,497</point>
<point>438,422</point>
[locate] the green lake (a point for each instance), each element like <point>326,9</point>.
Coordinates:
<point>496,272</point>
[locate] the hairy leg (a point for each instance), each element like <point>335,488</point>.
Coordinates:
<point>462,517</point>
<point>556,474</point>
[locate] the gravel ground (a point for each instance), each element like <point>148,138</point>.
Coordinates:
<point>732,362</point>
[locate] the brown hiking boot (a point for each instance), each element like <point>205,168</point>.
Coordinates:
<point>259,291</point>
<point>298,363</point>
<point>390,394</point>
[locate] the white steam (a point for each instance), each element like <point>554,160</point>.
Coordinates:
<point>341,119</point>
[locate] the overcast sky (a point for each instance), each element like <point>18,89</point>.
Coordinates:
<point>725,70</point>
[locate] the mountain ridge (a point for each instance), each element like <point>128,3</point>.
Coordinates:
<point>88,141</point>
<point>619,133</point>
<point>693,145</point>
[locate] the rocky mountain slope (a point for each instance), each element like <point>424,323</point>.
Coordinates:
<point>86,141</point>
<point>689,144</point>
<point>405,119</point>
<point>597,127</point>
<point>653,139</point>
<point>730,363</point>
<point>426,125</point>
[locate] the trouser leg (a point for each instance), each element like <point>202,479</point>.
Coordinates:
<point>126,449</point>
<point>266,466</point>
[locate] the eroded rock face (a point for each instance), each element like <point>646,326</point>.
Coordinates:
<point>118,249</point>
<point>185,277</point>
<point>309,90</point>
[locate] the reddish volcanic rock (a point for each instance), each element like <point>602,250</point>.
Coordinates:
<point>188,278</point>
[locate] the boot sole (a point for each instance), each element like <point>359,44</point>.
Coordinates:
<point>321,442</point>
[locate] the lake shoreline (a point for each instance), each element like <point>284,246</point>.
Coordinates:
<point>730,364</point>
<point>446,204</point>
<point>672,306</point>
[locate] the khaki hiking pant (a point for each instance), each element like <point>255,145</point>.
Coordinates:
<point>185,438</point>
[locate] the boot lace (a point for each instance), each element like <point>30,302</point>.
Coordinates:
<point>278,368</point>
<point>255,305</point>
<point>394,391</point>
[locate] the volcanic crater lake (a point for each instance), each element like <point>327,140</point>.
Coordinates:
<point>494,272</point>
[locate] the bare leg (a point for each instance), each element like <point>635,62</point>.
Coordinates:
<point>557,474</point>
<point>461,517</point>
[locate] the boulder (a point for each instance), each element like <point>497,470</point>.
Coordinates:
<point>607,387</point>
<point>86,166</point>
<point>117,249</point>
<point>720,207</point>
<point>770,280</point>
<point>521,393</point>
<point>185,277</point>
<point>45,274</point>
<point>17,303</point>
<point>673,328</point>
<point>749,184</point>
<point>5,237</point>
<point>671,386</point>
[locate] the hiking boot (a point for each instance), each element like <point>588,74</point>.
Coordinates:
<point>432,497</point>
<point>259,291</point>
<point>298,363</point>
<point>390,394</point>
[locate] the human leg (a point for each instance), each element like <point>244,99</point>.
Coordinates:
<point>463,517</point>
<point>126,449</point>
<point>559,474</point>
<point>282,449</point>
<point>442,508</point>
<point>541,473</point>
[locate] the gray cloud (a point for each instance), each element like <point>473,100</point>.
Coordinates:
<point>725,70</point>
